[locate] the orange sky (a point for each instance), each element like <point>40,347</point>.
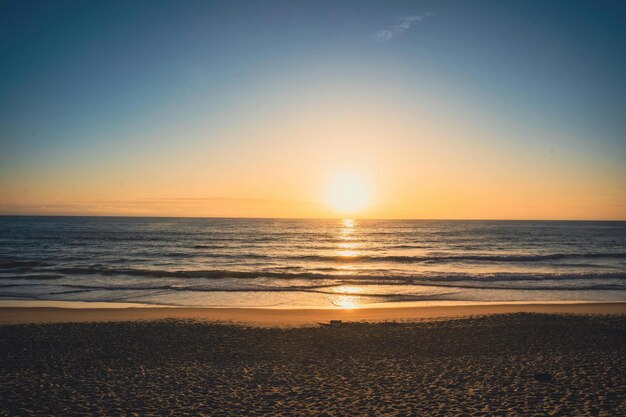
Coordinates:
<point>413,163</point>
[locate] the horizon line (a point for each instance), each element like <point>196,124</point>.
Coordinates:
<point>304,218</point>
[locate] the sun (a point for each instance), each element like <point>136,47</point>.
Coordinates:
<point>349,194</point>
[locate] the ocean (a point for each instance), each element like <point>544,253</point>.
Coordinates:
<point>284,263</point>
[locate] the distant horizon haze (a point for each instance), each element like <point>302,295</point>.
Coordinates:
<point>337,218</point>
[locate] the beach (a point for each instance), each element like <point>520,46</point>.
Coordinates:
<point>305,208</point>
<point>473,360</point>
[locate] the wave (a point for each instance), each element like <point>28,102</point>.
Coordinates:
<point>32,276</point>
<point>331,274</point>
<point>21,264</point>
<point>330,289</point>
<point>435,258</point>
<point>446,258</point>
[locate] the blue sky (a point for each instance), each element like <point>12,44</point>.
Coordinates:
<point>86,82</point>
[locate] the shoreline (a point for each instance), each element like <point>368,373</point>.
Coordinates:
<point>291,317</point>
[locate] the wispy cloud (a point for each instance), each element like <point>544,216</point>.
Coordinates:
<point>404,24</point>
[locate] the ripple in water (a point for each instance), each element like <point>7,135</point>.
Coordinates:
<point>312,263</point>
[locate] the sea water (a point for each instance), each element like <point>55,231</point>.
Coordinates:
<point>308,263</point>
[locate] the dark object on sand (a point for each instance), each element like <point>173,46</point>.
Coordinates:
<point>331,323</point>
<point>544,377</point>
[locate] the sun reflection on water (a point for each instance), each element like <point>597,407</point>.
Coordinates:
<point>347,253</point>
<point>349,245</point>
<point>348,223</point>
<point>346,302</point>
<point>347,269</point>
<point>349,289</point>
<point>347,229</point>
<point>347,250</point>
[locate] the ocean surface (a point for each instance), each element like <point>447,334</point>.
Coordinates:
<point>308,263</point>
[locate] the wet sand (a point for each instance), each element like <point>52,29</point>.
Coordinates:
<point>498,364</point>
<point>287,317</point>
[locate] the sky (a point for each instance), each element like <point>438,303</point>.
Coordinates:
<point>430,109</point>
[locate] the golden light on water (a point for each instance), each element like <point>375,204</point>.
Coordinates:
<point>348,224</point>
<point>350,289</point>
<point>349,245</point>
<point>346,231</point>
<point>348,253</point>
<point>346,302</point>
<point>347,248</point>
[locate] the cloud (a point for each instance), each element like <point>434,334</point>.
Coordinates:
<point>404,24</point>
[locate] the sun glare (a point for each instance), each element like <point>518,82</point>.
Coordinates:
<point>349,194</point>
<point>347,302</point>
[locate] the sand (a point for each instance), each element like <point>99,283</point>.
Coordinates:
<point>498,364</point>
<point>291,317</point>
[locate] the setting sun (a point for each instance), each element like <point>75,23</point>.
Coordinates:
<point>349,193</point>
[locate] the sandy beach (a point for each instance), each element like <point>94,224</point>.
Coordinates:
<point>534,360</point>
<point>51,312</point>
